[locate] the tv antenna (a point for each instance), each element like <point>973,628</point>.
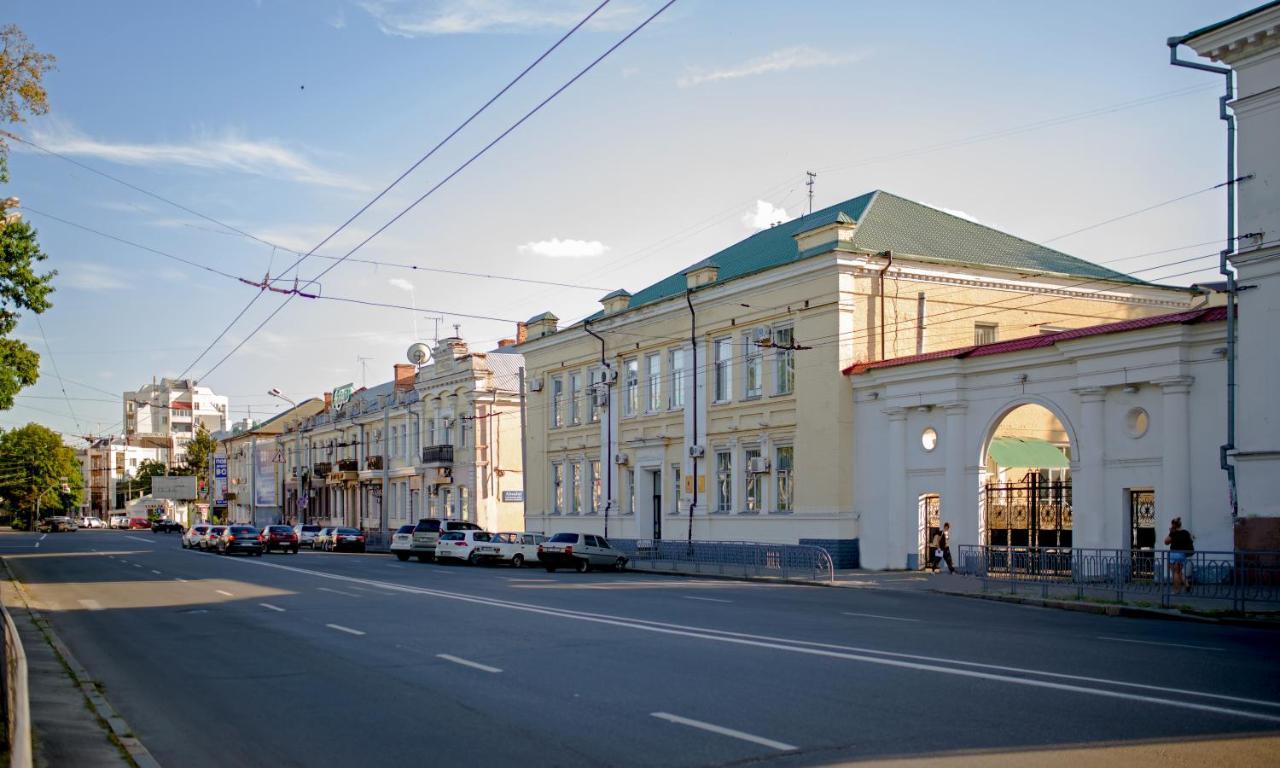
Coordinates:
<point>812,177</point>
<point>437,319</point>
<point>364,370</point>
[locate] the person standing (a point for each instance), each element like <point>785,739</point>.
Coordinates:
<point>1181,545</point>
<point>935,551</point>
<point>946,548</point>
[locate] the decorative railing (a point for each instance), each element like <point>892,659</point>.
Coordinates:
<point>730,558</point>
<point>373,462</point>
<point>437,454</point>
<point>321,469</point>
<point>348,465</point>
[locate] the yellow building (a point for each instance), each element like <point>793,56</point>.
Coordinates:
<point>711,404</point>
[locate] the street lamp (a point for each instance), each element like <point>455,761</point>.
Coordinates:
<point>284,496</point>
<point>275,392</point>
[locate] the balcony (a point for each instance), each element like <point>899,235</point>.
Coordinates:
<point>438,455</point>
<point>322,469</point>
<point>373,462</point>
<point>348,465</point>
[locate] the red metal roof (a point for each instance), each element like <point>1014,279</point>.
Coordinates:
<point>1190,317</point>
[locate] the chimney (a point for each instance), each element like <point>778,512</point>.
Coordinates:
<point>505,343</point>
<point>328,401</point>
<point>522,332</point>
<point>405,376</point>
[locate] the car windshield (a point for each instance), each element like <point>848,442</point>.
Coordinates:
<point>348,532</point>
<point>280,529</point>
<point>201,528</point>
<point>427,526</point>
<point>243,530</point>
<point>454,536</point>
<point>405,529</point>
<point>564,538</point>
<point>310,529</point>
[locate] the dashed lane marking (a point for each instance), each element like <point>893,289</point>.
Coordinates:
<point>224,592</point>
<point>466,663</point>
<point>730,732</point>
<point>341,628</point>
<point>877,616</point>
<point>706,599</point>
<point>1154,642</point>
<point>337,591</point>
<point>153,570</point>
<point>269,606</point>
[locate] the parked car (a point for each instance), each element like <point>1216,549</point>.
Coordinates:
<point>240,538</point>
<point>138,524</point>
<point>468,546</point>
<point>195,535</point>
<point>427,532</point>
<point>580,551</point>
<point>402,542</point>
<point>119,521</point>
<point>307,535</point>
<point>320,540</point>
<point>57,524</point>
<point>89,521</point>
<point>279,537</point>
<point>517,548</point>
<point>166,526</point>
<point>210,540</point>
<point>344,538</point>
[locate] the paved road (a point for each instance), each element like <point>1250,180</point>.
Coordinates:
<point>323,659</point>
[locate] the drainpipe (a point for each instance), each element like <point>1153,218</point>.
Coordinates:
<point>524,453</point>
<point>1224,266</point>
<point>383,512</point>
<point>693,403</point>
<point>888,255</point>
<point>608,414</point>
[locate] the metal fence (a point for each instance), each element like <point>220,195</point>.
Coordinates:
<point>17,705</point>
<point>730,558</point>
<point>377,541</point>
<point>1236,577</point>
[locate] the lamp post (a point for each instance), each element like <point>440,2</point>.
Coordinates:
<point>62,484</point>
<point>284,495</point>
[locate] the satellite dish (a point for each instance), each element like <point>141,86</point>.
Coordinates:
<point>419,353</point>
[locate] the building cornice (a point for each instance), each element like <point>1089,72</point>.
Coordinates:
<point>1240,39</point>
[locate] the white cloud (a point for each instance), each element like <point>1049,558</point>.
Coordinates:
<point>419,18</point>
<point>962,215</point>
<point>338,20</point>
<point>764,216</point>
<point>226,153</point>
<point>797,57</point>
<point>87,276</point>
<point>401,283</point>
<point>564,249</point>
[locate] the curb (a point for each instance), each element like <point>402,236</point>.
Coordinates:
<point>97,702</point>
<point>1127,611</point>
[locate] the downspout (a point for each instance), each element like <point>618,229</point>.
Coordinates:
<point>1224,266</point>
<point>888,263</point>
<point>608,415</point>
<point>524,453</point>
<point>383,512</point>
<point>693,403</point>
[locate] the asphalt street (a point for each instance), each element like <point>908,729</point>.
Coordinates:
<point>338,659</point>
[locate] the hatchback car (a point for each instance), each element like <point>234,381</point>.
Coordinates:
<point>92,522</point>
<point>306,535</point>
<point>57,524</point>
<point>210,540</point>
<point>321,537</point>
<point>517,548</point>
<point>240,538</point>
<point>580,551</point>
<point>194,535</point>
<point>427,533</point>
<point>468,546</point>
<point>402,542</point>
<point>119,521</point>
<point>344,539</point>
<point>279,537</point>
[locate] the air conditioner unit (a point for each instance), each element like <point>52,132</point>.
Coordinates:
<point>697,451</point>
<point>535,384</point>
<point>620,459</point>
<point>758,465</point>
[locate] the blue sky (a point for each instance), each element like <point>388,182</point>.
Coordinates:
<point>283,118</point>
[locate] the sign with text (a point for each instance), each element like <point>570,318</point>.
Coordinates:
<point>264,475</point>
<point>341,395</point>
<point>220,481</point>
<point>178,488</point>
<point>513,496</point>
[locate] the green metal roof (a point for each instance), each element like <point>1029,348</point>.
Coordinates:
<point>1027,453</point>
<point>887,222</point>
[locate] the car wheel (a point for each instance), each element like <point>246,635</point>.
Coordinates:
<point>621,565</point>
<point>473,558</point>
<point>295,550</point>
<point>401,556</point>
<point>583,566</point>
<point>550,568</point>
<point>423,558</point>
<point>517,560</point>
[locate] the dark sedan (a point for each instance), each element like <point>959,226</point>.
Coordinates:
<point>166,526</point>
<point>348,539</point>
<point>240,538</point>
<point>281,537</point>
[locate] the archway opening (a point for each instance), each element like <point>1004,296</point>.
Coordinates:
<point>929,506</point>
<point>1026,481</point>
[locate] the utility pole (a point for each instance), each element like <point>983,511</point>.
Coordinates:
<point>364,370</point>
<point>812,177</point>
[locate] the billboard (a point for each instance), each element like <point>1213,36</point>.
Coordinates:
<point>264,475</point>
<point>176,487</point>
<point>219,481</point>
<point>341,395</point>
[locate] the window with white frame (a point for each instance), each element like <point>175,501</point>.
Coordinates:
<point>595,486</point>
<point>464,502</point>
<point>593,386</point>
<point>431,430</point>
<point>753,365</point>
<point>724,481</point>
<point>675,391</point>
<point>631,491</point>
<point>675,489</point>
<point>653,381</point>
<point>575,383</point>
<point>985,333</point>
<point>631,387</point>
<point>723,360</point>
<point>557,404</point>
<point>465,425</point>
<point>753,488</point>
<point>575,487</point>
<point>784,468</point>
<point>557,488</point>
<point>784,361</point>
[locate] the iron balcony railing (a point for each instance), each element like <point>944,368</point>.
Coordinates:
<point>321,469</point>
<point>348,465</point>
<point>437,454</point>
<point>730,558</point>
<point>373,462</point>
<point>1240,577</point>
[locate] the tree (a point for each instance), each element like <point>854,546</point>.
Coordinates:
<point>22,70</point>
<point>199,451</point>
<point>35,465</point>
<point>148,469</point>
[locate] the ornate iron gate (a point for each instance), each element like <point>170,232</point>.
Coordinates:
<point>1142,533</point>
<point>930,524</point>
<point>1033,513</point>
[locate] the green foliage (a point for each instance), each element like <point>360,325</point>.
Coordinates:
<point>22,70</point>
<point>21,287</point>
<point>148,469</point>
<point>199,451</point>
<point>34,463</point>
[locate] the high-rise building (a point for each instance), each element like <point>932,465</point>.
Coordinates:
<point>167,414</point>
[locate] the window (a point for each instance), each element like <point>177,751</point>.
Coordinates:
<point>575,487</point>
<point>653,375</point>
<point>593,386</point>
<point>631,492</point>
<point>755,482</point>
<point>675,392</point>
<point>464,426</point>
<point>631,387</point>
<point>675,489</point>
<point>724,481</point>
<point>557,407</point>
<point>557,488</point>
<point>575,381</point>
<point>595,487</point>
<point>723,369</point>
<point>784,361</point>
<point>920,322</point>
<point>785,469</point>
<point>984,333</point>
<point>753,384</point>
<point>431,431</point>
<point>464,502</point>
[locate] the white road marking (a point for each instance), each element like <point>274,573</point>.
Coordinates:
<point>940,665</point>
<point>730,732</point>
<point>37,546</point>
<point>465,663</point>
<point>272,607</point>
<point>137,565</point>
<point>877,616</point>
<point>139,538</point>
<point>341,628</point>
<point>337,591</point>
<point>224,592</point>
<point>1153,642</point>
<point>153,570</point>
<point>706,599</point>
<point>43,537</point>
<point>92,605</point>
<point>179,578</point>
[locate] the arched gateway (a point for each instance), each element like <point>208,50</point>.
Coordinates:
<point>1025,480</point>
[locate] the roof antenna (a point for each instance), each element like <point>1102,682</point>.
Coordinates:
<point>364,370</point>
<point>812,176</point>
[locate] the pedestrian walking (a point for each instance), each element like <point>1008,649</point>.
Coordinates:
<point>1181,545</point>
<point>935,551</point>
<point>946,548</point>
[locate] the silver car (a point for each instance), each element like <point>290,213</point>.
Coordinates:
<point>580,551</point>
<point>307,535</point>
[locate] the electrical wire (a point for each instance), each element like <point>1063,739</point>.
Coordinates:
<point>57,372</point>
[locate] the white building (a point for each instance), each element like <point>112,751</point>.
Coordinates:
<point>108,464</point>
<point>166,415</point>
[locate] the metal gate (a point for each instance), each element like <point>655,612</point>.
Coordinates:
<point>930,524</point>
<point>1035,513</point>
<point>1142,533</point>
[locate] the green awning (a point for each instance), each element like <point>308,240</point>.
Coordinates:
<point>1027,453</point>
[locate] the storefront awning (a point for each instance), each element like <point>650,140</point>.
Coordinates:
<point>1027,453</point>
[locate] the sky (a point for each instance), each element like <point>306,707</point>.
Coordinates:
<point>272,122</point>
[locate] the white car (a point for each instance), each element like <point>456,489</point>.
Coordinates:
<point>119,521</point>
<point>402,542</point>
<point>467,546</point>
<point>90,521</point>
<point>194,536</point>
<point>517,548</point>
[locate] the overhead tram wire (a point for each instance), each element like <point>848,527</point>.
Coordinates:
<point>56,372</point>
<point>388,188</point>
<point>1179,198</point>
<point>455,172</point>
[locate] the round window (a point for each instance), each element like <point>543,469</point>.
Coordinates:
<point>1136,422</point>
<point>929,439</point>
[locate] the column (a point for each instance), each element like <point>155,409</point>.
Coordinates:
<point>1090,524</point>
<point>955,508</point>
<point>900,526</point>
<point>1173,497</point>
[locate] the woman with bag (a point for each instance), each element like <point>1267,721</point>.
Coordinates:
<point>1181,545</point>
